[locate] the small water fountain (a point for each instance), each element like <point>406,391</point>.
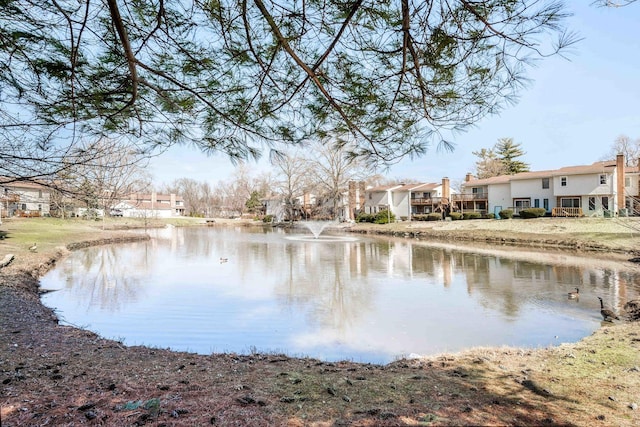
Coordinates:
<point>316,227</point>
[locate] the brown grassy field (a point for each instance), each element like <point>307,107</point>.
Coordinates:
<point>59,375</point>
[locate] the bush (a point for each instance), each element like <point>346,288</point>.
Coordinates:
<point>267,218</point>
<point>434,216</point>
<point>455,216</point>
<point>532,212</point>
<point>471,215</point>
<point>384,217</point>
<point>419,217</point>
<point>490,215</point>
<point>365,217</point>
<point>506,214</point>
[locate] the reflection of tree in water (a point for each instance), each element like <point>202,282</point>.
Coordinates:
<point>327,280</point>
<point>108,276</point>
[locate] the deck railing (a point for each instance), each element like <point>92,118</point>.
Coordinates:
<point>567,212</point>
<point>425,200</point>
<point>467,197</point>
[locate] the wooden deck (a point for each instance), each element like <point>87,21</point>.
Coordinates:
<point>567,212</point>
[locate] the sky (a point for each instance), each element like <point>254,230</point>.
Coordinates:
<point>569,115</point>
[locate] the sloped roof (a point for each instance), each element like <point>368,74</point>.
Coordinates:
<point>421,187</point>
<point>594,168</point>
<point>502,179</point>
<point>10,183</point>
<point>382,188</point>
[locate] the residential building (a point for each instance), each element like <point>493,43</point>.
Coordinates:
<point>405,200</point>
<point>151,205</point>
<point>600,189</point>
<point>24,198</point>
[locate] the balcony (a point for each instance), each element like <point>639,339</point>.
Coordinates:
<point>425,201</point>
<point>468,197</point>
<point>10,198</point>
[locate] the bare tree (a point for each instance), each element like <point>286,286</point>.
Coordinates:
<point>292,181</point>
<point>193,194</point>
<point>625,145</point>
<point>331,170</point>
<point>488,164</point>
<point>100,183</point>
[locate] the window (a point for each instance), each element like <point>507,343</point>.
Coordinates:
<point>570,202</point>
<point>545,204</point>
<point>40,194</point>
<point>536,203</point>
<point>370,196</point>
<point>603,178</point>
<point>563,183</point>
<point>592,203</point>
<point>627,181</point>
<point>605,203</point>
<point>520,204</point>
<point>545,182</point>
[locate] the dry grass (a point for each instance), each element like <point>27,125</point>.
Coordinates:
<point>56,375</point>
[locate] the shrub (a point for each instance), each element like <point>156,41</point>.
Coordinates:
<point>434,216</point>
<point>490,215</point>
<point>419,217</point>
<point>267,218</point>
<point>384,217</point>
<point>455,216</point>
<point>532,212</point>
<point>365,217</point>
<point>471,215</point>
<point>506,214</point>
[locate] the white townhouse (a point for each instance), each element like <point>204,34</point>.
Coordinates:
<point>380,198</point>
<point>150,206</point>
<point>406,200</point>
<point>24,198</point>
<point>600,189</point>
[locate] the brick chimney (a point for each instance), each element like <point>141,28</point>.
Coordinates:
<point>468,177</point>
<point>446,188</point>
<point>620,181</point>
<point>352,201</point>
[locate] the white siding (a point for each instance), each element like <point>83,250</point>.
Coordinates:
<point>400,206</point>
<point>374,200</point>
<point>499,195</point>
<point>532,189</point>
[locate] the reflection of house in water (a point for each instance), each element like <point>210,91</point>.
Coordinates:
<point>507,278</point>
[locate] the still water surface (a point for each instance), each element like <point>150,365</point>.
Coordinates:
<point>347,297</point>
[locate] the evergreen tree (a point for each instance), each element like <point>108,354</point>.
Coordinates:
<point>254,205</point>
<point>500,160</point>
<point>508,151</point>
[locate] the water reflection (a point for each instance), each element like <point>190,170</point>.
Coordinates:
<point>370,299</point>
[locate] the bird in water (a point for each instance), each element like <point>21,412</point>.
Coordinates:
<point>223,260</point>
<point>607,314</point>
<point>574,295</point>
<point>34,247</point>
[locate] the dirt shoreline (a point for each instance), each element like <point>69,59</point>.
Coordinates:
<point>61,375</point>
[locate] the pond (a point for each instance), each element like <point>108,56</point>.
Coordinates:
<point>340,297</point>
